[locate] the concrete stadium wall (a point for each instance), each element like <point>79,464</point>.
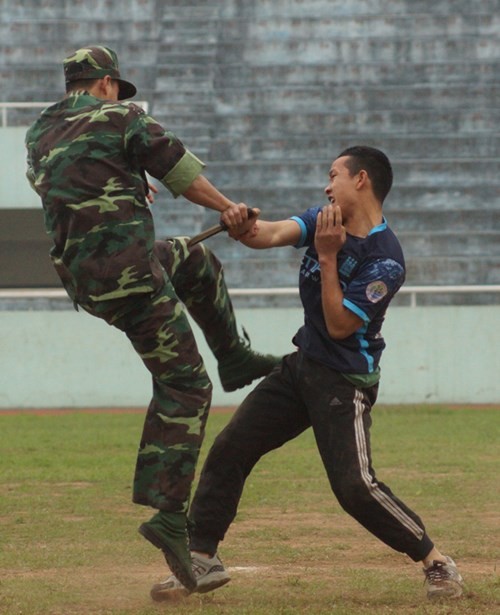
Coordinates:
<point>69,359</point>
<point>268,91</point>
<point>265,91</point>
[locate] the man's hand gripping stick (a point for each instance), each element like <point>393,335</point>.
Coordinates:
<point>214,230</point>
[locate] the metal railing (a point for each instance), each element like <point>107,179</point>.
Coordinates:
<point>412,291</point>
<point>5,106</point>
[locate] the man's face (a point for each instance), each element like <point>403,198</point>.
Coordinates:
<point>341,185</point>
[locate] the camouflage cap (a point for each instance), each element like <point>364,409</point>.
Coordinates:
<point>95,63</point>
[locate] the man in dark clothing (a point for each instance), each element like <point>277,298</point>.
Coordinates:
<point>352,268</point>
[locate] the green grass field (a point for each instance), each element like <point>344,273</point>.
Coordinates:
<point>68,531</point>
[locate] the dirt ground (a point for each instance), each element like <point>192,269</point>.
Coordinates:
<point>332,564</point>
<point>333,568</point>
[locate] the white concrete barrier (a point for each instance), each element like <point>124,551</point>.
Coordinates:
<point>69,359</point>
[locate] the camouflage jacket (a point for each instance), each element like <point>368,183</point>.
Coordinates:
<point>87,159</point>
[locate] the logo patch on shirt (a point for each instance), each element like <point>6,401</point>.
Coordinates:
<point>375,291</point>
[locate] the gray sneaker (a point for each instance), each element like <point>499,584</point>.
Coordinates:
<point>443,580</point>
<point>209,573</point>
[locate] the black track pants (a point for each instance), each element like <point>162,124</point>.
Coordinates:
<point>304,394</point>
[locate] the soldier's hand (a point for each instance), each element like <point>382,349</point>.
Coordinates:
<point>150,196</point>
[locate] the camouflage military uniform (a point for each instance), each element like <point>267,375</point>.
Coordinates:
<point>87,160</point>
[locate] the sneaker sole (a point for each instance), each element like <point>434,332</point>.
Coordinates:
<point>445,594</point>
<point>215,584</point>
<point>175,564</point>
<point>161,594</point>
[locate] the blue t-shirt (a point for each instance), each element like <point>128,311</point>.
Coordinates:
<point>371,270</point>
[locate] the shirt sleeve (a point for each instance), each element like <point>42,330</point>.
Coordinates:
<point>373,288</point>
<point>159,152</point>
<point>178,179</point>
<point>307,223</point>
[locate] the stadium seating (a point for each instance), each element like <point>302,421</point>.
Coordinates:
<point>268,91</point>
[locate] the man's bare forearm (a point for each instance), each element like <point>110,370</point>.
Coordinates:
<point>203,192</point>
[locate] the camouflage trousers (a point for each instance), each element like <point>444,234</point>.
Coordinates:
<point>160,333</point>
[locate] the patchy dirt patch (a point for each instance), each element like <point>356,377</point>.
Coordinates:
<point>332,566</point>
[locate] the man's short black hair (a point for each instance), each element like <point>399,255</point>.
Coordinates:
<point>375,163</point>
